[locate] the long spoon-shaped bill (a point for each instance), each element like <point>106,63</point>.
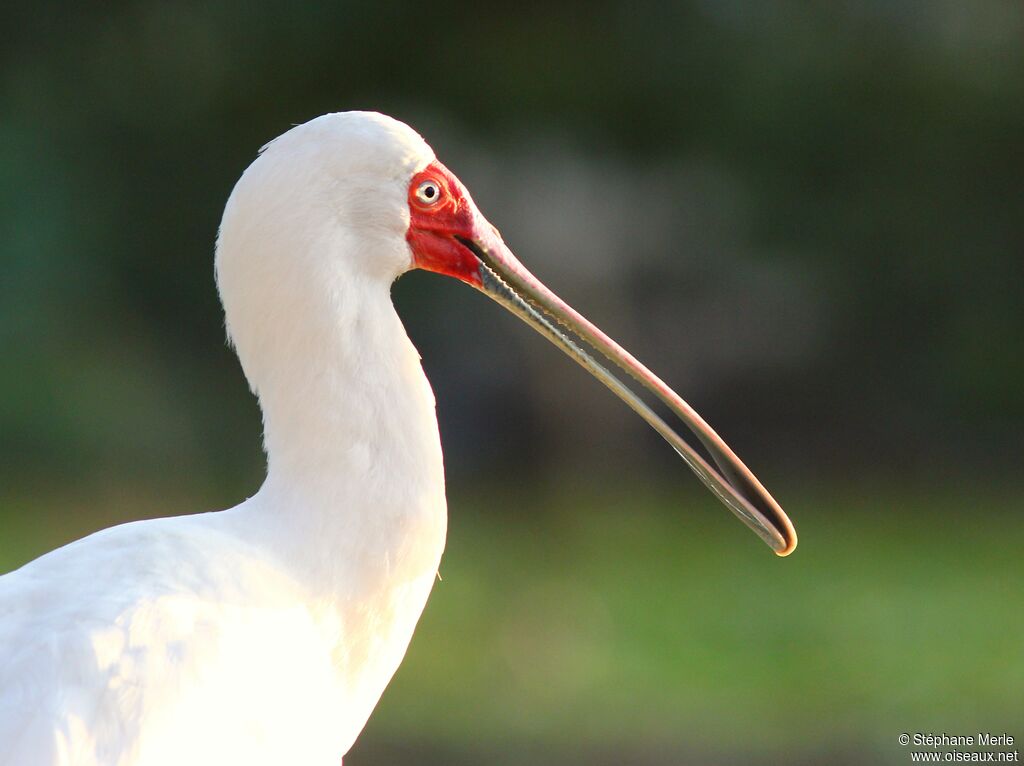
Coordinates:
<point>508,282</point>
<point>449,235</point>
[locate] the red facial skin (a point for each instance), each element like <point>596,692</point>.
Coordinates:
<point>434,226</point>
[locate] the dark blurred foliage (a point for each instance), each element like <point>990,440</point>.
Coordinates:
<point>808,216</point>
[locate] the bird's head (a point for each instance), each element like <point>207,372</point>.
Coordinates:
<point>359,197</point>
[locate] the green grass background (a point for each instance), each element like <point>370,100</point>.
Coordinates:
<point>625,625</point>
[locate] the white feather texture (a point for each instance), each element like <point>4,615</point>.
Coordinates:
<point>264,634</point>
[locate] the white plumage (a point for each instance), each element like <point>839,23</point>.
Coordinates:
<point>264,634</point>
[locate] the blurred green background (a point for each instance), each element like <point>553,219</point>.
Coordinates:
<point>807,217</point>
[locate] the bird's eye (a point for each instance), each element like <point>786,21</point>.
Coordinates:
<point>428,192</point>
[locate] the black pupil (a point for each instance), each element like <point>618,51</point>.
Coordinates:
<point>429,191</point>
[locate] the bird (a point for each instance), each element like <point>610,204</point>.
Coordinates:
<point>266,633</point>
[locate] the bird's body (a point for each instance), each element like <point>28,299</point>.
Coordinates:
<point>266,633</point>
<point>189,643</point>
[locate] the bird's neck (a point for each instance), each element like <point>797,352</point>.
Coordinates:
<point>355,481</point>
